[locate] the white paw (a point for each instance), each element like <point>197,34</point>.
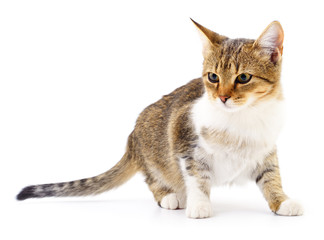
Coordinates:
<point>201,209</point>
<point>170,201</point>
<point>290,208</point>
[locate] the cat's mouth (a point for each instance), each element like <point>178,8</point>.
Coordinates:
<point>231,106</point>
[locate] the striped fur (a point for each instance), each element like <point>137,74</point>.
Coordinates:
<point>113,178</point>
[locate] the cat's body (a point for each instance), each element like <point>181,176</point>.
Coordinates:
<point>236,143</point>
<point>216,130</point>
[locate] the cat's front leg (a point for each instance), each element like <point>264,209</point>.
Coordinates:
<point>197,180</point>
<point>267,177</point>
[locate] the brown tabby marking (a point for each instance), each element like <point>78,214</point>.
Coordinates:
<point>269,180</point>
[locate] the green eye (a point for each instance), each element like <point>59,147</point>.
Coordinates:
<point>213,77</point>
<point>244,78</point>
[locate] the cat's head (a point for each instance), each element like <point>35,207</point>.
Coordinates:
<point>242,72</point>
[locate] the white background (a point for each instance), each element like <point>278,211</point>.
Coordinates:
<point>74,75</point>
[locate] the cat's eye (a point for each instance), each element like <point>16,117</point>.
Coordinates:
<point>244,78</point>
<point>213,77</point>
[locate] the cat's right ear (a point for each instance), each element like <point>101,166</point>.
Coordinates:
<point>209,38</point>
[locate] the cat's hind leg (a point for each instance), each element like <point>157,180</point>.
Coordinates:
<point>166,196</point>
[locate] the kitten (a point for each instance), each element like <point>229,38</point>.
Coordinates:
<point>218,129</point>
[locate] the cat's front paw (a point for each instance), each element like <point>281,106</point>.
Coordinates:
<point>200,209</point>
<point>290,208</point>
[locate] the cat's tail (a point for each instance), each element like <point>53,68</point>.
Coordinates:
<point>113,178</point>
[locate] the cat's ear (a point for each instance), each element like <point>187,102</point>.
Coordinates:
<point>209,38</point>
<point>271,41</point>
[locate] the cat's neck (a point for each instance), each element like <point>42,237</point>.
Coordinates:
<point>255,122</point>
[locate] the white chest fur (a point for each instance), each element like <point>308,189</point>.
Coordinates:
<point>233,143</point>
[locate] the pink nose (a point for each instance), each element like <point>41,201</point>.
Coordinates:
<point>224,98</point>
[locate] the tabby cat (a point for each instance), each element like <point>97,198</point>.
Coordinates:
<point>219,129</point>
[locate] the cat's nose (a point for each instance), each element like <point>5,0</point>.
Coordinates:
<point>224,98</point>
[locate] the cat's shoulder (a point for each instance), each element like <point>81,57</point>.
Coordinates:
<point>177,99</point>
<point>171,106</point>
<point>186,93</point>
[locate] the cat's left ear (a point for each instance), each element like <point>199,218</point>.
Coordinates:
<point>271,41</point>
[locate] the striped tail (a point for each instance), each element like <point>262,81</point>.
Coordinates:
<point>113,178</point>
